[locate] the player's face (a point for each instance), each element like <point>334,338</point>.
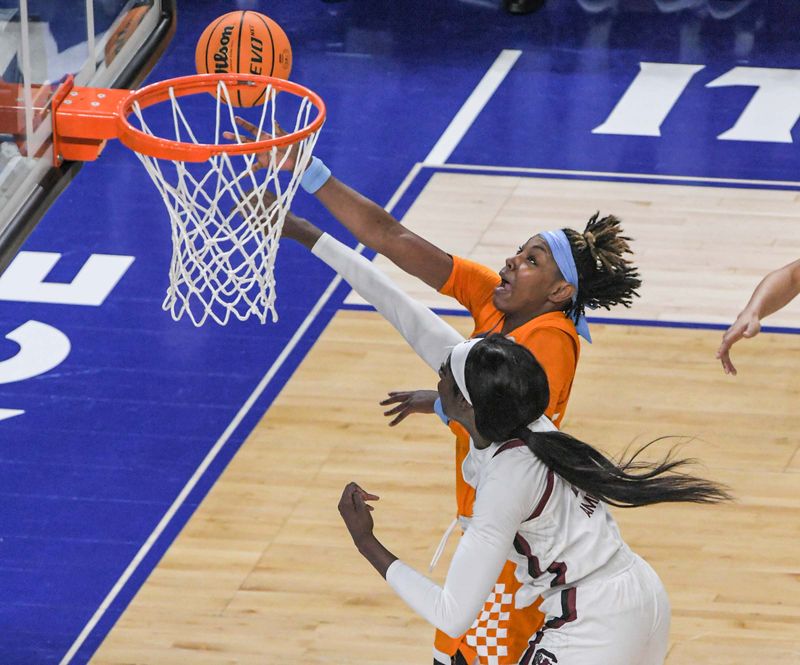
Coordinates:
<point>449,393</point>
<point>528,280</point>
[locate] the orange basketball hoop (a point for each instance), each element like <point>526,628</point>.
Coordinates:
<point>225,225</point>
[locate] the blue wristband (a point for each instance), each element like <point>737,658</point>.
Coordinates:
<point>316,175</point>
<point>439,411</point>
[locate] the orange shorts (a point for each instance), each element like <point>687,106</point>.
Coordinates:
<point>500,633</point>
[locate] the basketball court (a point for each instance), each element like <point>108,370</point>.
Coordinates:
<point>170,490</point>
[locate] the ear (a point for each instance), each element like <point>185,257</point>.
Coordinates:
<point>561,293</point>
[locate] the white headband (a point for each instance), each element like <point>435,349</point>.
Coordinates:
<point>458,361</point>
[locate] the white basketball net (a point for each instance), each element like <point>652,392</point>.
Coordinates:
<point>225,234</point>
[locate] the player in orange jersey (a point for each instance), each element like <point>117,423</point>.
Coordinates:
<point>538,298</point>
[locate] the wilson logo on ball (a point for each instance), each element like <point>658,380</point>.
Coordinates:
<point>244,42</point>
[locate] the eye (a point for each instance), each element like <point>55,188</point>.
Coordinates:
<point>519,249</point>
<point>532,259</point>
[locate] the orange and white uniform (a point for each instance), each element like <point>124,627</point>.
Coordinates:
<point>603,604</point>
<point>552,338</point>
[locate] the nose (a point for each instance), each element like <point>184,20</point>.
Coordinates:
<point>511,262</point>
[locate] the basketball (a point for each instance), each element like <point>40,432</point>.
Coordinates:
<point>244,42</point>
<point>123,32</point>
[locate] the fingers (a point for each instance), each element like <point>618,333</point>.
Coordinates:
<point>249,126</point>
<point>356,497</point>
<point>401,399</point>
<point>753,328</point>
<point>403,408</point>
<point>745,327</point>
<point>366,495</point>
<point>727,365</point>
<point>397,409</point>
<point>352,489</point>
<point>723,352</point>
<point>359,503</point>
<point>395,397</point>
<point>400,418</point>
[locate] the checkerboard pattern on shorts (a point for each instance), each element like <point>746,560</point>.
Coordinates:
<point>490,626</point>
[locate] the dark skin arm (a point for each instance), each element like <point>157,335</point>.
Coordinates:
<point>355,512</point>
<point>407,402</point>
<point>378,230</point>
<point>372,225</point>
<point>300,230</point>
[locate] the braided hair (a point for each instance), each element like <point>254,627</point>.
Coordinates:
<point>605,277</point>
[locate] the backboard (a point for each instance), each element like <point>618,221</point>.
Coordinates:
<point>102,43</point>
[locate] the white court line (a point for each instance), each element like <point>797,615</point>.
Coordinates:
<point>223,439</point>
<point>466,115</point>
<point>610,174</point>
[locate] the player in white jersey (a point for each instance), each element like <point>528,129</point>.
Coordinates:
<point>602,602</point>
<point>542,494</point>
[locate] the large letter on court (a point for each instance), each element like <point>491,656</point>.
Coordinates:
<point>24,279</point>
<point>774,108</point>
<point>648,99</point>
<point>41,348</point>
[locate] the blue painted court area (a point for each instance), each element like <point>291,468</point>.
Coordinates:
<point>111,436</point>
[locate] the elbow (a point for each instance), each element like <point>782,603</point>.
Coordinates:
<point>455,628</point>
<point>393,241</point>
<point>452,616</point>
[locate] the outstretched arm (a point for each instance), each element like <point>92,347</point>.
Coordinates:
<point>429,336</point>
<point>775,291</point>
<point>378,230</point>
<point>505,500</point>
<point>365,219</point>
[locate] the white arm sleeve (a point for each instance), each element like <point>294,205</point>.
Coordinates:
<point>503,503</point>
<point>429,336</point>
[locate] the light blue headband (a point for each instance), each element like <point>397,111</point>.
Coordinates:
<point>562,253</point>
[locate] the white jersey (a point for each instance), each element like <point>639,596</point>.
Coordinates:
<point>558,537</point>
<point>568,535</point>
<point>553,527</point>
<point>603,604</point>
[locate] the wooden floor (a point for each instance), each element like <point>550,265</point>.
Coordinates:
<point>265,571</point>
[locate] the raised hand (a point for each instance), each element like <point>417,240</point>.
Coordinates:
<point>263,158</point>
<point>408,402</point>
<point>355,512</point>
<point>746,325</point>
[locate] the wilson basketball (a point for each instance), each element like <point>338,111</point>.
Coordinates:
<point>127,26</point>
<point>244,42</point>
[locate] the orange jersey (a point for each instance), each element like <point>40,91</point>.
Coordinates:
<point>552,338</point>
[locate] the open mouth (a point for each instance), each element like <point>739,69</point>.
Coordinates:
<point>504,285</point>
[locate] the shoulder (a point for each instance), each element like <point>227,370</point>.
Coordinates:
<point>555,338</point>
<point>513,460</point>
<point>515,480</point>
<point>555,325</point>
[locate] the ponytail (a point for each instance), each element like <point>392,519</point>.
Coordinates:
<point>509,390</point>
<point>626,484</point>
